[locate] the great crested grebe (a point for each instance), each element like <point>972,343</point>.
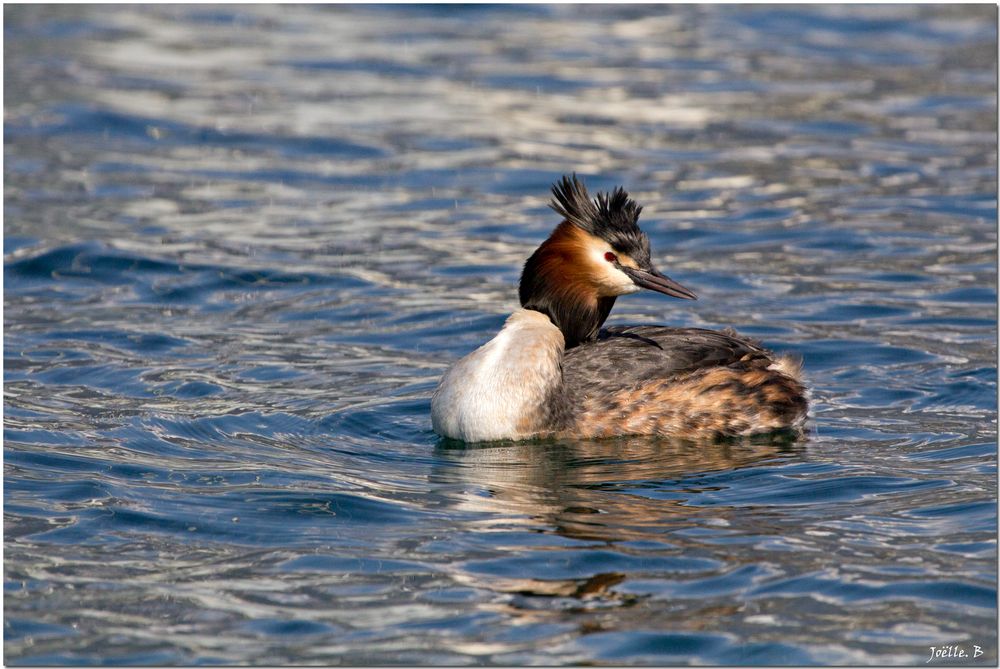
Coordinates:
<point>553,372</point>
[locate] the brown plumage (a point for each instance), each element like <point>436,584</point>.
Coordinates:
<point>556,283</point>
<point>690,383</point>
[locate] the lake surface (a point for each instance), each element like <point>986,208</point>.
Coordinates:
<point>241,244</point>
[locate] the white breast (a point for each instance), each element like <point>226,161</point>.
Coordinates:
<point>496,392</point>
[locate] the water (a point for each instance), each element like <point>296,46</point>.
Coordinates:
<point>242,243</point>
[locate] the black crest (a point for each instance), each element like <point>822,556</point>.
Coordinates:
<point>613,217</point>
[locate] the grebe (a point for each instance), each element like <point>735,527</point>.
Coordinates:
<point>552,371</point>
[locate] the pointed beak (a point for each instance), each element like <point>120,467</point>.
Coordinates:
<point>653,280</point>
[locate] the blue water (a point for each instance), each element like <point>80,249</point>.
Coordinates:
<point>241,244</point>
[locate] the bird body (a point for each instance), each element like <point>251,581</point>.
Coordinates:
<point>552,371</point>
<point>503,389</point>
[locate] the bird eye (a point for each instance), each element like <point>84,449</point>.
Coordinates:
<point>610,257</point>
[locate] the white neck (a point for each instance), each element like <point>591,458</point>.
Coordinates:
<point>501,390</point>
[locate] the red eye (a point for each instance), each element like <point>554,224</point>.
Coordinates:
<point>610,257</point>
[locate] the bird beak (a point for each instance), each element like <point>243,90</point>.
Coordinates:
<point>653,280</point>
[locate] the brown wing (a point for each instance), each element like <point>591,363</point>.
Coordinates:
<point>683,382</point>
<point>624,356</point>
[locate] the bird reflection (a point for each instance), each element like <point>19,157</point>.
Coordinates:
<point>601,493</point>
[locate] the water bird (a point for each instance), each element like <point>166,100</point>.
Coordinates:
<point>553,372</point>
